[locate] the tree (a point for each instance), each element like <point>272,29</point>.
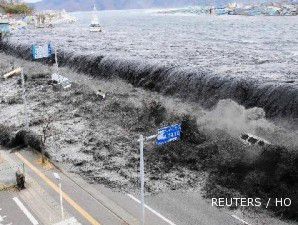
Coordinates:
<point>46,130</point>
<point>20,8</point>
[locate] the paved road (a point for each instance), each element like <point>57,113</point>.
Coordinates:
<point>87,205</point>
<point>92,204</point>
<point>41,198</point>
<point>175,208</point>
<point>10,213</point>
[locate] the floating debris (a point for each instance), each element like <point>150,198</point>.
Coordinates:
<point>63,81</point>
<point>254,140</point>
<point>13,73</point>
<point>101,94</point>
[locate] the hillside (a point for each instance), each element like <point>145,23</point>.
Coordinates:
<point>20,8</point>
<point>77,5</point>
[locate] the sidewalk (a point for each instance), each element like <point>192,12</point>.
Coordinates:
<point>40,202</point>
<point>8,171</point>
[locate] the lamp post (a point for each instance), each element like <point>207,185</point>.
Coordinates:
<point>58,178</point>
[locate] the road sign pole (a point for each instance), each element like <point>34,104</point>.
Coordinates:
<point>61,201</point>
<point>56,61</point>
<point>165,135</point>
<point>141,140</point>
<point>25,100</point>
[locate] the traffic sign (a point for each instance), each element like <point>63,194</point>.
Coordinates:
<point>165,135</point>
<point>42,51</point>
<point>168,134</point>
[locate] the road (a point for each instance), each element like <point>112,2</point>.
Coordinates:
<point>83,203</point>
<point>41,198</point>
<point>9,210</point>
<point>177,208</point>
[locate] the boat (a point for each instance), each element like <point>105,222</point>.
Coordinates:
<point>95,26</point>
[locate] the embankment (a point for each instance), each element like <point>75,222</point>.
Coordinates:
<point>279,100</point>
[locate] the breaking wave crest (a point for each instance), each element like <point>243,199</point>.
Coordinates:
<point>195,84</point>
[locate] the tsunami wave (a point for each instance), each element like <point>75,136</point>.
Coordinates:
<point>200,85</point>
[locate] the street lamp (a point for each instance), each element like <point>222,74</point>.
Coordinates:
<point>58,178</point>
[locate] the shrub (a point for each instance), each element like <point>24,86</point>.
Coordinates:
<point>28,138</point>
<point>5,135</point>
<point>17,9</point>
<point>153,113</point>
<point>190,131</point>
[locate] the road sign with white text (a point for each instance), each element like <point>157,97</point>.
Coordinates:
<point>168,134</point>
<point>42,51</point>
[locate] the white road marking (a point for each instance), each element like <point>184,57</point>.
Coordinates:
<point>152,210</point>
<point>25,211</point>
<point>70,221</point>
<point>241,220</point>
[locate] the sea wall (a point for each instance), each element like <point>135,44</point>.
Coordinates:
<point>279,100</point>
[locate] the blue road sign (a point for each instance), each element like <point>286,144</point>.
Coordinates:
<point>4,28</point>
<point>42,51</point>
<point>168,134</point>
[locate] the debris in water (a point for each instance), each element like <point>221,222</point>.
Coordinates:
<point>61,80</point>
<point>13,73</point>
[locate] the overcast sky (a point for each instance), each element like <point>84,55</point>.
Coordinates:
<point>31,1</point>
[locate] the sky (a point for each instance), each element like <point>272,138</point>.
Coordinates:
<point>31,1</point>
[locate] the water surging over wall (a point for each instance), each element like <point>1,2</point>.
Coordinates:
<point>194,84</point>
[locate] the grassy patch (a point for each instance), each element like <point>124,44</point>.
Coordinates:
<point>17,9</point>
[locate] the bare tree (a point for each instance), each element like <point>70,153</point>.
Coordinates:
<point>46,131</point>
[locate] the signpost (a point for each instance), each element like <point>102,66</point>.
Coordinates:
<point>42,51</point>
<point>165,135</point>
<point>45,51</point>
<point>4,30</point>
<point>168,134</point>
